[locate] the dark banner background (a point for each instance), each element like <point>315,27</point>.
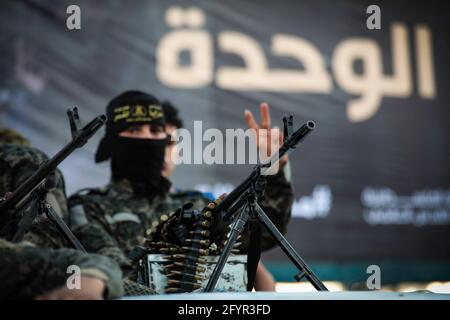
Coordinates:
<point>375,189</point>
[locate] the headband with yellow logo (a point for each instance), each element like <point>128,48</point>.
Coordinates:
<point>129,108</point>
<point>137,113</point>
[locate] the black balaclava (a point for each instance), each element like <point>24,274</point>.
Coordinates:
<point>138,160</point>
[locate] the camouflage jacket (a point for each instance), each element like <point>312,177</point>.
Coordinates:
<point>128,218</point>
<point>18,163</point>
<point>29,271</point>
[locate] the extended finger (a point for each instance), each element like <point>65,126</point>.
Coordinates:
<point>265,115</point>
<point>250,120</point>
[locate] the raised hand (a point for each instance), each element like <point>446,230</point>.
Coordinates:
<point>274,137</point>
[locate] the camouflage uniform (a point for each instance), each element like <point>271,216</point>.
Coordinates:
<point>13,137</point>
<point>28,271</point>
<point>125,216</point>
<point>19,162</point>
<point>130,207</point>
<point>277,203</point>
<point>128,218</point>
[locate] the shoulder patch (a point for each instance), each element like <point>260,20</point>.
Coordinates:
<point>89,191</point>
<point>194,194</point>
<point>77,216</point>
<point>123,217</point>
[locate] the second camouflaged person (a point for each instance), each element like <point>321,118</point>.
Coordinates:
<point>130,206</point>
<point>132,203</point>
<point>37,267</point>
<point>18,161</point>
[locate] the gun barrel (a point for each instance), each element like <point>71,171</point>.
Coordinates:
<point>50,165</point>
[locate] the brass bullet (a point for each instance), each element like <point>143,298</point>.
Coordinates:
<point>205,224</point>
<point>194,268</point>
<point>174,290</point>
<point>203,252</point>
<point>199,241</point>
<point>207,214</point>
<point>197,268</point>
<point>168,250</point>
<point>203,233</point>
<point>194,285</point>
<point>187,275</point>
<point>187,257</point>
<point>219,199</point>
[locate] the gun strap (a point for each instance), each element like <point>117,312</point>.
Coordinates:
<point>254,253</point>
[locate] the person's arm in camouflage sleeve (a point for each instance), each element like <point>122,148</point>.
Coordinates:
<point>277,204</point>
<point>90,226</point>
<point>96,239</point>
<point>28,271</point>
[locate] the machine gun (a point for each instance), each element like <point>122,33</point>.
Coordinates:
<point>241,205</point>
<point>19,210</point>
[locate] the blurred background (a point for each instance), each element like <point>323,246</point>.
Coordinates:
<point>372,183</point>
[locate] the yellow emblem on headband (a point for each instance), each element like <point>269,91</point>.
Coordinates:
<point>121,113</point>
<point>139,111</point>
<point>155,111</point>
